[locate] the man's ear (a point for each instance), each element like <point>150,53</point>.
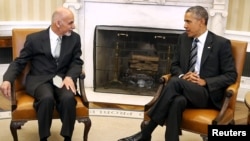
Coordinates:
<point>58,24</point>
<point>203,21</point>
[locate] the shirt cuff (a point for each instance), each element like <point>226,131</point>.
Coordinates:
<point>181,75</point>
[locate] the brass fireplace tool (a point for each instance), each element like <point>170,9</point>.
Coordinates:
<point>115,81</point>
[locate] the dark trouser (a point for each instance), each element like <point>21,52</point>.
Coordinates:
<point>47,97</point>
<point>176,96</point>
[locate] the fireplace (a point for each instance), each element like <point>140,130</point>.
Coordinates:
<point>130,60</point>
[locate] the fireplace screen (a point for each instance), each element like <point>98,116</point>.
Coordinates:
<point>130,60</point>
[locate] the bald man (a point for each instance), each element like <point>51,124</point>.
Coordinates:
<point>53,73</point>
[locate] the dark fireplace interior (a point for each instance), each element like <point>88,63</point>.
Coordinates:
<point>130,60</point>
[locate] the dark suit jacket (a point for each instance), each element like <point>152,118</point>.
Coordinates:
<point>217,64</point>
<point>43,66</point>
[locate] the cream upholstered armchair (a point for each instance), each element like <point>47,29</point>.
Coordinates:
<point>22,104</point>
<point>197,120</point>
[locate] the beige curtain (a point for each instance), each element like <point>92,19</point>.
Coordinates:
<point>41,10</point>
<point>28,10</point>
<point>238,15</point>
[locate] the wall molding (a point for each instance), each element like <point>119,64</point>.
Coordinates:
<point>239,35</point>
<point>7,26</point>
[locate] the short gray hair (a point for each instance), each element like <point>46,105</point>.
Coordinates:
<point>200,12</point>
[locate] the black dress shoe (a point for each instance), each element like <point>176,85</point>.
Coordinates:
<point>67,138</point>
<point>43,139</point>
<point>135,137</point>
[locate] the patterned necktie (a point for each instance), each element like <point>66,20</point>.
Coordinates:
<point>193,55</point>
<point>58,48</point>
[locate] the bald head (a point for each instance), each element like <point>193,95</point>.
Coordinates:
<point>62,22</point>
<point>60,13</point>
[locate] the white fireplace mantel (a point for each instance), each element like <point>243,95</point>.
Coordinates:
<point>166,14</point>
<point>217,9</point>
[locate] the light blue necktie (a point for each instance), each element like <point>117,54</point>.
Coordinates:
<point>58,48</point>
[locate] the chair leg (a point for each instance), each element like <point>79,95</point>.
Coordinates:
<point>232,122</point>
<point>248,118</point>
<point>87,123</point>
<point>204,137</point>
<point>14,125</point>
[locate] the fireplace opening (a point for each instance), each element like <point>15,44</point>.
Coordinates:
<point>130,60</point>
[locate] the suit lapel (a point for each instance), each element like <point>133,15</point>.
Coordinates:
<point>207,48</point>
<point>64,46</point>
<point>46,44</point>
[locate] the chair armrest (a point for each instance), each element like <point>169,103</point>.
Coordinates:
<point>231,91</point>
<point>82,89</point>
<point>163,80</point>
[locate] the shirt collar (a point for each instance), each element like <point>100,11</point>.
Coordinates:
<point>202,37</point>
<point>52,35</point>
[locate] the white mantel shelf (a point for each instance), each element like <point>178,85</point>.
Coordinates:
<point>205,3</point>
